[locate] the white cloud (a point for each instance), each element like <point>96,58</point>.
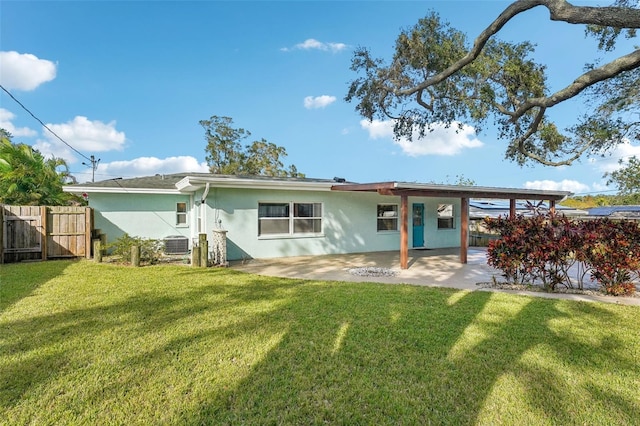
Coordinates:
<point>319,101</point>
<point>599,187</point>
<point>564,185</point>
<point>147,166</point>
<point>313,44</point>
<point>611,162</point>
<point>441,141</point>
<point>24,71</point>
<point>378,129</point>
<point>84,135</point>
<point>6,117</point>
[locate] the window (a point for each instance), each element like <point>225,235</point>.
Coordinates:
<point>387,217</point>
<point>445,216</point>
<point>181,213</point>
<point>307,218</point>
<point>273,218</point>
<point>289,218</point>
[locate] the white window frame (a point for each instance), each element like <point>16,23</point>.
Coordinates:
<point>182,214</point>
<point>292,218</point>
<point>450,219</point>
<point>384,216</point>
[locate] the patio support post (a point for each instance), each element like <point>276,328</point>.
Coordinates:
<point>464,229</point>
<point>512,208</point>
<point>552,207</point>
<point>404,232</point>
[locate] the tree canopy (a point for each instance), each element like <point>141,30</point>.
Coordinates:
<point>436,76</point>
<point>627,179</point>
<point>28,178</point>
<point>599,200</point>
<point>227,155</point>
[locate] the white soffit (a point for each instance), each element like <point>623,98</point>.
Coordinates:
<point>191,184</point>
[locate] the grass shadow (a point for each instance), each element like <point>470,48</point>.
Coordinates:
<point>19,280</point>
<point>105,336</point>
<point>418,358</point>
<point>175,345</point>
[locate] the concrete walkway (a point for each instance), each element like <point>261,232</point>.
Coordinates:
<point>433,268</point>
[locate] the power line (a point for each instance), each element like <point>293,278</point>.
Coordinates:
<point>93,163</point>
<point>94,166</point>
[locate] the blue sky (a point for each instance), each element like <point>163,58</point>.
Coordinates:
<point>129,81</point>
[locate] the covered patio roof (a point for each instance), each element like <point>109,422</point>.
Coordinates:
<point>407,189</point>
<point>454,191</point>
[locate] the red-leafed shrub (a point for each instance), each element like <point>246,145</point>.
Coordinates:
<point>612,250</point>
<point>544,247</point>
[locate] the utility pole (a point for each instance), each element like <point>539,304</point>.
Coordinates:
<point>94,166</point>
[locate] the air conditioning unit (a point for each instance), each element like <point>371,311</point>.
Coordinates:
<point>176,244</point>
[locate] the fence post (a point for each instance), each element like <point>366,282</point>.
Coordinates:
<point>97,251</point>
<point>195,257</point>
<point>135,256</point>
<point>1,234</point>
<point>43,232</point>
<point>204,250</point>
<point>88,224</point>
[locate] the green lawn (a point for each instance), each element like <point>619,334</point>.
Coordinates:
<point>86,343</point>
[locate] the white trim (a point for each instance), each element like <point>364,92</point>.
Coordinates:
<point>124,190</point>
<point>288,236</point>
<point>195,183</point>
<point>190,183</point>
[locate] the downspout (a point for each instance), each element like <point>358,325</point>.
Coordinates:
<point>203,206</point>
<point>205,193</point>
<point>194,219</point>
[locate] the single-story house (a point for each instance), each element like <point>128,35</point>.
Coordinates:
<point>267,217</point>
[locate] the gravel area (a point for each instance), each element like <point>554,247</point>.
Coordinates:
<point>371,271</point>
<point>537,287</point>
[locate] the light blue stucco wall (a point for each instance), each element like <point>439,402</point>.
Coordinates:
<point>140,215</point>
<point>434,237</point>
<point>349,220</point>
<point>349,223</point>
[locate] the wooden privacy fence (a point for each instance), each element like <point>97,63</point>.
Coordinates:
<point>42,232</point>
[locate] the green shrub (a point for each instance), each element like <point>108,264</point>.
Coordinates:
<point>150,250</point>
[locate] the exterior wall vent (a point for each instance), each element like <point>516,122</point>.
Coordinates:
<point>176,244</point>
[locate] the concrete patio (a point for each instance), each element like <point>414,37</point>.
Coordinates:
<point>433,268</point>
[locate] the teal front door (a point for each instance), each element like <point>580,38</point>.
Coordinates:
<point>418,225</point>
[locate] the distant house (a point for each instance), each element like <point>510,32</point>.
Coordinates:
<point>269,217</point>
<point>616,212</point>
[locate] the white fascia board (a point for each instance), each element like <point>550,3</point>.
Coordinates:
<point>95,190</point>
<point>194,183</point>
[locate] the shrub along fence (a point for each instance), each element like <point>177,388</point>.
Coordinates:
<point>43,232</point>
<point>545,248</point>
